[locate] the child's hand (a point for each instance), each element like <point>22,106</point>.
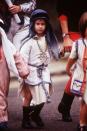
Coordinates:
<point>14,9</point>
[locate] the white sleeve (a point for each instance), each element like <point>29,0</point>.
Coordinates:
<point>25,51</point>
<point>73,53</point>
<point>29,6</point>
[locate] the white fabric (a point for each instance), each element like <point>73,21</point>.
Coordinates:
<point>1,21</point>
<point>9,50</point>
<point>38,94</point>
<point>29,6</point>
<point>19,36</point>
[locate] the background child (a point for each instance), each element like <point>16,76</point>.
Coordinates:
<point>41,44</point>
<point>79,55</point>
<point>69,19</point>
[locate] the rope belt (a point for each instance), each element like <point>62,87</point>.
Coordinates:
<point>40,69</point>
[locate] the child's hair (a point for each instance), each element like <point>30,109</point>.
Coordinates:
<point>83,24</point>
<point>49,34</point>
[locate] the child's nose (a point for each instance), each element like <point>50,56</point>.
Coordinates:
<point>40,25</point>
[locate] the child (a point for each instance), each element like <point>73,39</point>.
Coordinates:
<point>69,22</point>
<point>37,51</point>
<point>79,55</point>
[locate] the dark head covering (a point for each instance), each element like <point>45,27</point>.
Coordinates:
<point>39,14</point>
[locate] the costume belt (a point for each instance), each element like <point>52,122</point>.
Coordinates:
<point>40,69</point>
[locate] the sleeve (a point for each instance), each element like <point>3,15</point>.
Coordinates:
<point>25,51</point>
<point>28,7</point>
<point>73,54</point>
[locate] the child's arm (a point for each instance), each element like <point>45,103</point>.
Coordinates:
<point>65,31</point>
<point>21,65</point>
<point>72,59</point>
<point>69,65</point>
<point>25,7</point>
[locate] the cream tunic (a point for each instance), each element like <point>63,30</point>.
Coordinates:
<point>31,53</point>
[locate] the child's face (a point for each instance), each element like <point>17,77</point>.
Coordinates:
<point>40,26</point>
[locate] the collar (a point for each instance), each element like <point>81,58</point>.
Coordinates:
<point>36,37</point>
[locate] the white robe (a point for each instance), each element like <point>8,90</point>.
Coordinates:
<point>31,53</point>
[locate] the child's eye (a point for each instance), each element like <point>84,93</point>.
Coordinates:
<point>38,24</point>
